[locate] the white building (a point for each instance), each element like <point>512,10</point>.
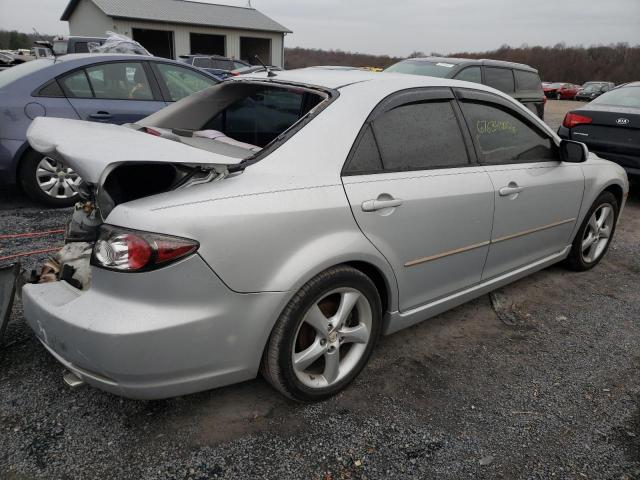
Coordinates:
<point>170,28</point>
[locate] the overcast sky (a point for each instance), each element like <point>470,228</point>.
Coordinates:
<point>403,26</point>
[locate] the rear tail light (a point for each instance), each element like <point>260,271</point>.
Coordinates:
<point>573,119</point>
<point>127,250</point>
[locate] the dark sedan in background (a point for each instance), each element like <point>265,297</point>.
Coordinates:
<point>609,126</point>
<point>592,90</point>
<point>107,88</point>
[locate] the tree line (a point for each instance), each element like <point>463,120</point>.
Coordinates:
<point>13,40</point>
<point>619,63</point>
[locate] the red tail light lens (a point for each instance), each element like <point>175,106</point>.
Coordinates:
<point>573,119</point>
<point>133,251</point>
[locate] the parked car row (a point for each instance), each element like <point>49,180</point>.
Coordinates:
<point>569,91</point>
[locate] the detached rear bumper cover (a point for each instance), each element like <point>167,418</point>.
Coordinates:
<point>159,334</point>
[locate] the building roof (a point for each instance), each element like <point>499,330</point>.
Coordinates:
<point>184,11</point>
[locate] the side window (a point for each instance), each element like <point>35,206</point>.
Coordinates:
<point>420,136</point>
<point>470,74</point>
<point>120,81</point>
<point>81,47</point>
<point>76,85</point>
<point>502,138</point>
<point>527,80</point>
<point>182,82</point>
<point>51,89</point>
<point>499,78</point>
<point>202,62</point>
<point>366,156</point>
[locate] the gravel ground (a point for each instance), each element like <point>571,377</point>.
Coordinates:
<point>464,395</point>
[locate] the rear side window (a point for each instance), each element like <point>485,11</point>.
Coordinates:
<point>527,80</point>
<point>420,136</point>
<point>76,85</point>
<point>502,138</point>
<point>499,78</point>
<point>51,89</point>
<point>366,157</point>
<point>81,47</point>
<point>470,74</point>
<point>202,62</point>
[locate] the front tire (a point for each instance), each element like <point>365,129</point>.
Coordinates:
<point>595,234</point>
<point>325,335</point>
<point>48,181</point>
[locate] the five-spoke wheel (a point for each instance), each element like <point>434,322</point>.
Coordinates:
<point>325,335</point>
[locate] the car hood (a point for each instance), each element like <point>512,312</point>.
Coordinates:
<point>94,149</point>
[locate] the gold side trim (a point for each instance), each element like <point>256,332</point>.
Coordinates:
<point>448,253</point>
<point>532,230</point>
<point>418,261</point>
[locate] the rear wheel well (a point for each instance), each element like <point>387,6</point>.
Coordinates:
<point>617,192</point>
<point>378,280</point>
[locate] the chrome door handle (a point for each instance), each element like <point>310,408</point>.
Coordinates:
<point>374,205</point>
<point>510,189</point>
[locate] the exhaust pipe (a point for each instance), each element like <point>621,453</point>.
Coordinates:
<point>72,379</point>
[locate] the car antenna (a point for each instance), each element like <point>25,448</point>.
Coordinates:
<point>270,73</point>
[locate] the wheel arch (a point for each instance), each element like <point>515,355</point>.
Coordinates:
<point>617,192</point>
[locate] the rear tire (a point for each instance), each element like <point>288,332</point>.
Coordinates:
<point>325,335</point>
<point>595,234</point>
<point>35,180</point>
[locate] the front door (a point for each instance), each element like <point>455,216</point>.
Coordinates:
<point>117,92</point>
<point>418,198</point>
<point>537,197</point>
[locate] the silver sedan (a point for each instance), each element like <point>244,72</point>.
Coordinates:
<point>281,224</point>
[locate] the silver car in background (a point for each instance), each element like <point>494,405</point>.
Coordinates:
<point>287,222</point>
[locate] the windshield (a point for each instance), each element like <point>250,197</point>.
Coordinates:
<point>20,71</point>
<point>60,47</point>
<point>420,67</point>
<point>620,97</point>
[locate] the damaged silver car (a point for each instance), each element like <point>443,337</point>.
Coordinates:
<point>281,224</point>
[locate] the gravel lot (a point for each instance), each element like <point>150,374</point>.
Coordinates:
<point>464,395</point>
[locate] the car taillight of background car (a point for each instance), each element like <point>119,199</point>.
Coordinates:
<point>573,119</point>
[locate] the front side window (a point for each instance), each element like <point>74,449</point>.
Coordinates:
<point>420,136</point>
<point>470,74</point>
<point>182,82</point>
<point>499,78</point>
<point>503,138</point>
<point>120,81</point>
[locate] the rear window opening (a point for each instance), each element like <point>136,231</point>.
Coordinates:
<point>243,115</point>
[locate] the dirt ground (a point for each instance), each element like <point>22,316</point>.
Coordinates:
<point>553,394</point>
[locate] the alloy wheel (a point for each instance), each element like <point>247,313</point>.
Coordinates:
<point>57,180</point>
<point>598,233</point>
<point>332,338</point>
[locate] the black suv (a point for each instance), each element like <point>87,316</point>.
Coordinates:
<point>216,64</point>
<point>520,81</point>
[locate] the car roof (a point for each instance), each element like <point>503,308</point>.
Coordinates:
<point>106,56</point>
<point>474,61</point>
<point>336,79</point>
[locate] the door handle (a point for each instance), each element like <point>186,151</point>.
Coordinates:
<point>101,116</point>
<point>375,205</point>
<point>510,189</point>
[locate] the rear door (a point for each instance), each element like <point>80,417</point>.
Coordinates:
<point>418,196</point>
<point>113,92</point>
<point>537,197</point>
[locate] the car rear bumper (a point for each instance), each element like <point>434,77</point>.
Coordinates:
<point>154,335</point>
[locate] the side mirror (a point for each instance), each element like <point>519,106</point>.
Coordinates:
<point>573,152</point>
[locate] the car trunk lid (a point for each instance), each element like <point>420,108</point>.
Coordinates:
<point>612,129</point>
<point>94,149</point>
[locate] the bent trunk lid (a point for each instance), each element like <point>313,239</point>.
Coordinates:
<point>94,149</point>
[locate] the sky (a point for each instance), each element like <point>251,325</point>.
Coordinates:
<point>403,26</point>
